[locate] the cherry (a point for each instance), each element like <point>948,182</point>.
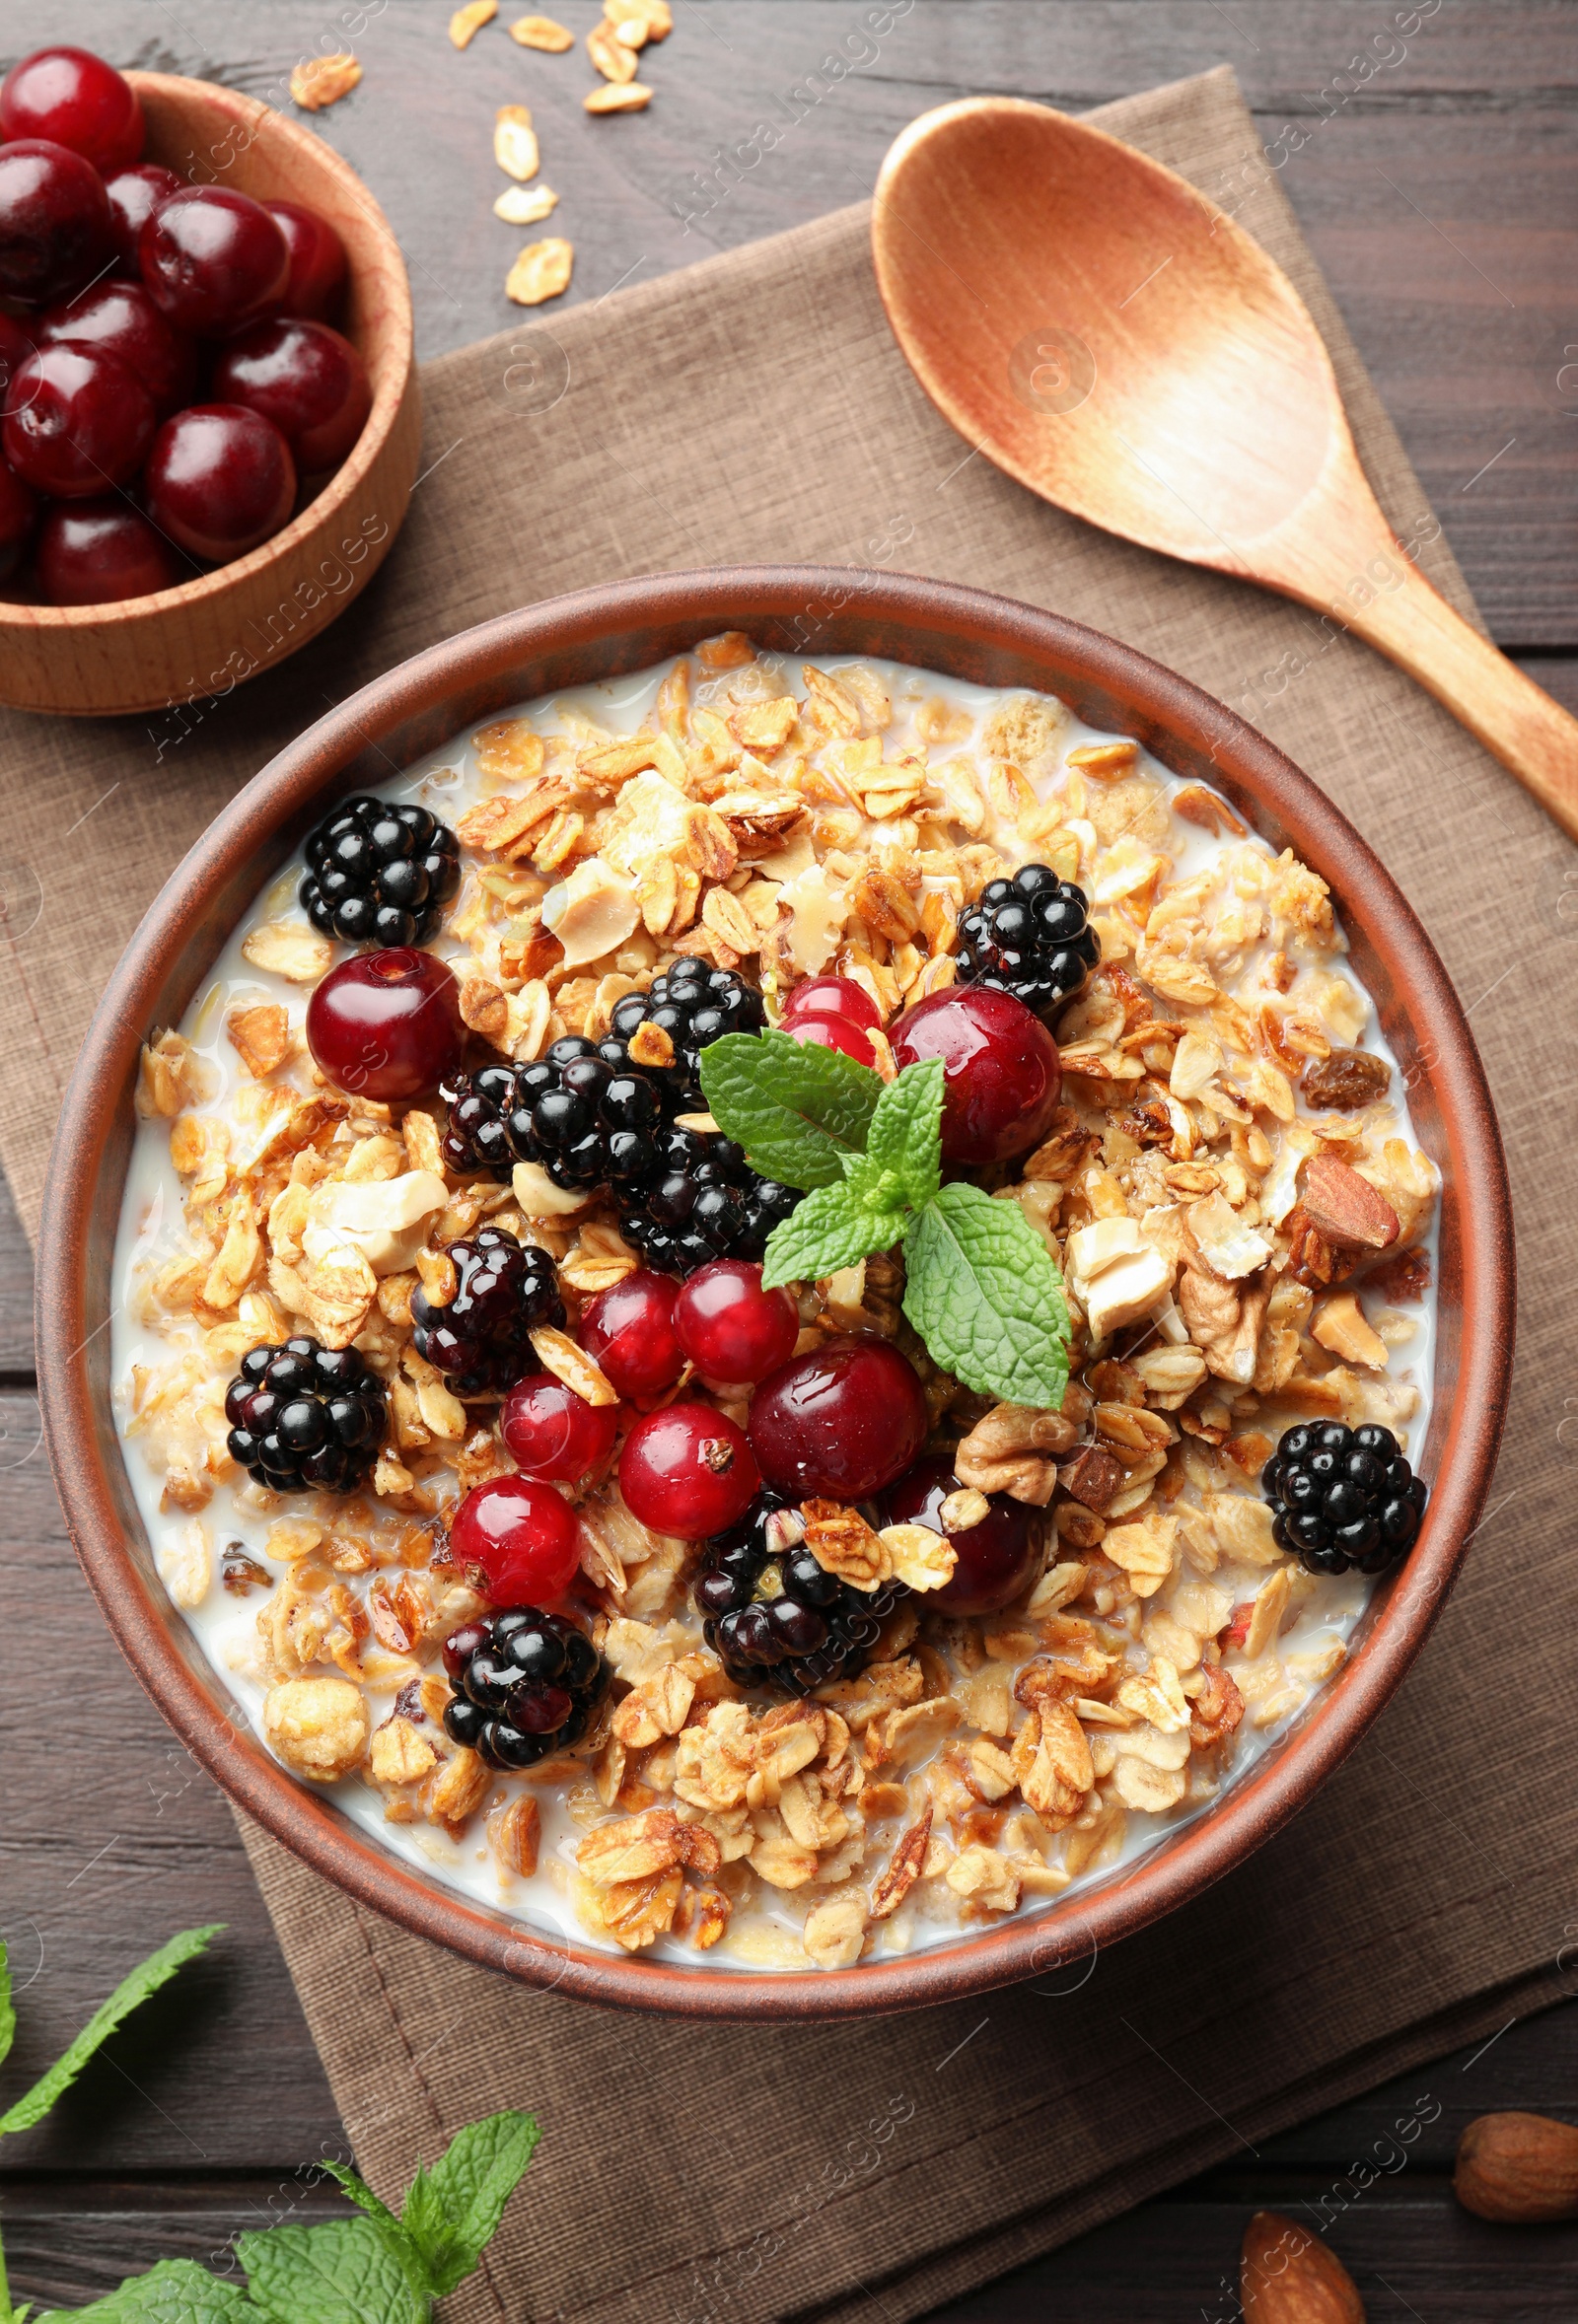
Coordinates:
<point>628,1334</point>
<point>834,1033</point>
<point>78,422</point>
<point>18,510</point>
<point>387,1025</point>
<point>831,996</point>
<point>728,1328</point>
<point>135,196</point>
<point>997,1558</point>
<point>687,1471</point>
<point>554,1432</point>
<point>121,319</point>
<point>316,262</point>
<point>73,97</point>
<point>15,349</point>
<point>522,1535</point>
<point>56,232</point>
<point>1002,1077</point>
<point>220,481</point>
<point>94,552</point>
<point>843,1420</point>
<point>304,378</point>
<point>213,260</point>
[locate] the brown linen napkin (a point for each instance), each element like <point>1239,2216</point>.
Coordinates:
<point>755,408</point>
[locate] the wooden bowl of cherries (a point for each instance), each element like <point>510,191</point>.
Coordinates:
<point>209,419</point>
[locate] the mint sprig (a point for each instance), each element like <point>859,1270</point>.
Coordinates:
<point>981,1288</point>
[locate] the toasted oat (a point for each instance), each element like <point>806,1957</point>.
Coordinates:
<point>633,97</point>
<point>318,81</point>
<point>261,1037</point>
<point>541,271</point>
<point>519,205</point>
<point>289,948</point>
<point>655,16</point>
<point>557,1353</point>
<point>469,20</point>
<point>609,53</point>
<point>318,1725</point>
<point>836,1931</point>
<point>515,146</point>
<point>541,31</point>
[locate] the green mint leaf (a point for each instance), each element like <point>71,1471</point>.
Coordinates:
<point>796,1109</point>
<point>453,2211</point>
<point>8,2016</point>
<point>146,1979</point>
<point>345,2272</point>
<point>829,1229</point>
<point>362,2194</point>
<point>983,1293</point>
<point>903,1161</point>
<point>176,2292</point>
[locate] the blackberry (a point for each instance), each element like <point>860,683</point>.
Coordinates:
<point>700,1201</point>
<point>1027,936</point>
<point>583,1112</point>
<point>379,874</point>
<point>1343,1497</point>
<point>694,1005</point>
<point>306,1417</point>
<point>527,1685</point>
<point>481,1341</point>
<point>774,1616</point>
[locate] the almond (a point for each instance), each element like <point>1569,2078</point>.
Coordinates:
<point>1287,2276</point>
<point>1518,2168</point>
<point>1346,1208</point>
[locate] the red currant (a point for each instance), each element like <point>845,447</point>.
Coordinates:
<point>554,1432</point>
<point>78,422</point>
<point>316,262</point>
<point>729,1328</point>
<point>220,481</point>
<point>1001,1072</point>
<point>56,232</point>
<point>522,1535</point>
<point>387,1025</point>
<point>213,260</point>
<point>831,996</point>
<point>304,378</point>
<point>996,1559</point>
<point>834,1033</point>
<point>73,97</point>
<point>687,1471</point>
<point>135,196</point>
<point>121,319</point>
<point>628,1334</point>
<point>843,1420</point>
<point>18,510</point>
<point>94,552</point>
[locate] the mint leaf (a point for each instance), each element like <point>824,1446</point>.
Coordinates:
<point>8,2016</point>
<point>361,2193</point>
<point>902,1161</point>
<point>345,2272</point>
<point>796,1109</point>
<point>176,2292</point>
<point>453,2211</point>
<point>146,1979</point>
<point>983,1293</point>
<point>829,1229</point>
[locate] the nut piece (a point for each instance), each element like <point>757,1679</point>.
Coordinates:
<point>261,1037</point>
<point>1013,1450</point>
<point>1346,1209</point>
<point>1287,2276</point>
<point>1115,1275</point>
<point>323,80</point>
<point>317,1726</point>
<point>1518,2168</point>
<point>541,272</point>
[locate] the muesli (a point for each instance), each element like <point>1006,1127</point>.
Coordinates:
<point>796,1563</point>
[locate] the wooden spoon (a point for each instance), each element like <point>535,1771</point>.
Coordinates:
<point>1110,338</point>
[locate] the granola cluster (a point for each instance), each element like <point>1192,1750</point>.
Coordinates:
<point>1230,1188</point>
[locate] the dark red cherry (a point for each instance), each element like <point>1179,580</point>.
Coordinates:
<point>387,1025</point>
<point>1001,1072</point>
<point>832,996</point>
<point>213,260</point>
<point>56,232</point>
<point>135,196</point>
<point>220,481</point>
<point>304,378</point>
<point>628,1334</point>
<point>94,552</point>
<point>729,1328</point>
<point>317,282</point>
<point>16,345</point>
<point>120,317</point>
<point>843,1420</point>
<point>687,1471</point>
<point>19,510</point>
<point>555,1433</point>
<point>834,1033</point>
<point>522,1536</point>
<point>996,1559</point>
<point>77,423</point>
<point>74,97</point>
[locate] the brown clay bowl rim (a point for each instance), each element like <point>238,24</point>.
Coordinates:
<point>623,627</point>
<point>388,392</point>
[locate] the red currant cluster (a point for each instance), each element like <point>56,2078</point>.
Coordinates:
<point>168,372</point>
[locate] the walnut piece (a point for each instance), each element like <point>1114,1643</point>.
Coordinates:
<point>1015,1448</point>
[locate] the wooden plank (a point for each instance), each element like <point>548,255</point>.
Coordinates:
<point>16,1299</point>
<point>69,2242</point>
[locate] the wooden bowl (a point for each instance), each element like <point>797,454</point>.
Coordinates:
<point>601,634</point>
<point>213,633</point>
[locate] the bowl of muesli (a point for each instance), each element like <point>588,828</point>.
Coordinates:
<point>780,1291</point>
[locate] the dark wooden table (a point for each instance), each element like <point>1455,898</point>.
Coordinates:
<point>1439,193</point>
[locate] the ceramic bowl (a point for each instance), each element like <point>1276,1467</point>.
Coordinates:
<point>215,633</point>
<point>601,634</point>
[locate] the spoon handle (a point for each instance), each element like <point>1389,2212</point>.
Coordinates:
<point>1532,736</point>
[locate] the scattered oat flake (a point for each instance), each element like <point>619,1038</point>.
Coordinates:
<point>631,98</point>
<point>656,16</point>
<point>323,80</point>
<point>541,271</point>
<point>630,31</point>
<point>540,31</point>
<point>515,141</point>
<point>613,59</point>
<point>469,20</point>
<point>518,206</point>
